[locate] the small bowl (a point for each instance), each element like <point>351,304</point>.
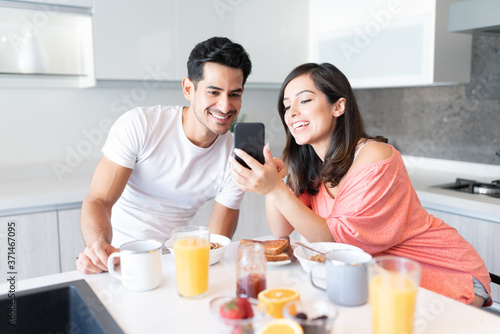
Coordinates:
<point>215,254</point>
<point>237,325</point>
<point>304,255</point>
<point>313,309</point>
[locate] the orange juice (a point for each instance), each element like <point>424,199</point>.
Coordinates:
<point>191,266</point>
<point>392,298</point>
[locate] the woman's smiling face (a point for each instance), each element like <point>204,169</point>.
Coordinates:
<point>308,114</point>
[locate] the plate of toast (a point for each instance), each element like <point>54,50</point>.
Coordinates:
<point>277,251</point>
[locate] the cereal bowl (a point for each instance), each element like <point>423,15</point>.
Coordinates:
<point>304,255</point>
<point>216,254</point>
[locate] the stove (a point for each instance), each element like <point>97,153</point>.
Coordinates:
<point>473,187</point>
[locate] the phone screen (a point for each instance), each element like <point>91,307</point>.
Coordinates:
<point>250,138</point>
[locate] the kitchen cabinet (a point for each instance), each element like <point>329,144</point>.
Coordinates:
<point>45,46</point>
<point>32,243</point>
<point>274,33</point>
<point>483,235</point>
<point>152,41</point>
<point>389,43</point>
<point>44,243</point>
<point>135,40</point>
<point>70,237</point>
<point>71,3</point>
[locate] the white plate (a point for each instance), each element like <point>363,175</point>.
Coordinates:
<point>278,263</point>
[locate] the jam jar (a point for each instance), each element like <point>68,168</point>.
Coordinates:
<point>250,270</point>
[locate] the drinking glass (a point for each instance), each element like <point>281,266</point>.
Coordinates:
<point>393,292</point>
<point>192,252</point>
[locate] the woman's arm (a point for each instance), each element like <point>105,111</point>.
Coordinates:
<point>285,212</point>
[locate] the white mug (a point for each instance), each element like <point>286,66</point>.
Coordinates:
<point>346,277</point>
<point>140,264</point>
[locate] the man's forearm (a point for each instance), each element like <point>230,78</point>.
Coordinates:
<point>223,220</point>
<point>96,222</point>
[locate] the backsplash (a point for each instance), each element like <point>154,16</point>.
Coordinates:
<point>460,122</point>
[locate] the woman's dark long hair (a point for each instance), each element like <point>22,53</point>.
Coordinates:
<point>306,171</point>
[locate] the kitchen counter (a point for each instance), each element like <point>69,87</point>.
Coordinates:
<point>47,192</point>
<point>162,310</point>
<point>426,174</point>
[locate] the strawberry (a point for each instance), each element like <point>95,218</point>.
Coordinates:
<point>246,306</point>
<point>231,310</point>
<point>237,308</point>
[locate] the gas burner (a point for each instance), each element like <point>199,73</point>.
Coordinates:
<point>473,187</point>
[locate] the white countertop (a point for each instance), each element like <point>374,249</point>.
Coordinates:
<point>22,195</point>
<point>426,173</point>
<point>162,310</point>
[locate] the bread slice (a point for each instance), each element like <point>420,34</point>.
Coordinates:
<point>276,258</point>
<point>271,247</point>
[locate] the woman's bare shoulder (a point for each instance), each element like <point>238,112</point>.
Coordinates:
<point>373,151</point>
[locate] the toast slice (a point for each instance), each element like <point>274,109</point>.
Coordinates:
<point>276,258</point>
<point>271,247</point>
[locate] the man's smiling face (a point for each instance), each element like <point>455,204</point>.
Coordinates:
<point>216,100</point>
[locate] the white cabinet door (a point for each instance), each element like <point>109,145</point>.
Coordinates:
<point>71,3</point>
<point>484,236</point>
<point>274,33</point>
<point>152,40</point>
<point>32,242</point>
<point>379,43</point>
<point>135,40</point>
<point>70,238</point>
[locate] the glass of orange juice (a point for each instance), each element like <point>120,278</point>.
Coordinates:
<point>393,292</point>
<point>192,252</point>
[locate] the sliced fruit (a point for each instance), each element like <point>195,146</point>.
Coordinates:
<point>274,299</point>
<point>281,326</point>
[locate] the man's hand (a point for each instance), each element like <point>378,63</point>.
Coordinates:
<point>94,258</point>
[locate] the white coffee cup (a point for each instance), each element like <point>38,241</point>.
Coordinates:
<point>140,264</point>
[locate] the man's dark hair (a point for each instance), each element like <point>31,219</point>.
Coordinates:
<point>220,50</point>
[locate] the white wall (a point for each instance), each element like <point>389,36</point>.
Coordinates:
<point>43,127</point>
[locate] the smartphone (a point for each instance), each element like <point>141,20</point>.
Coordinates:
<point>250,138</point>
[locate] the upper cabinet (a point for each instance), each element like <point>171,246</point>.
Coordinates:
<point>274,33</point>
<point>68,3</point>
<point>45,45</point>
<point>135,40</point>
<point>152,40</point>
<point>380,43</point>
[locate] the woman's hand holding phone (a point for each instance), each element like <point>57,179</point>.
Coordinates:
<point>260,179</point>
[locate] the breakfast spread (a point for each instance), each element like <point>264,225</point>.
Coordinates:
<point>275,250</point>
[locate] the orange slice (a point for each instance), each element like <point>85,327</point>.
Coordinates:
<point>274,299</point>
<point>281,326</point>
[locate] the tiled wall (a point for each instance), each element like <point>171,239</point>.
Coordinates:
<point>460,122</point>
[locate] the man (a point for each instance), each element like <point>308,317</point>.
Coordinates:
<point>161,164</point>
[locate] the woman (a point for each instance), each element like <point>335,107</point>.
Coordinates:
<point>348,187</point>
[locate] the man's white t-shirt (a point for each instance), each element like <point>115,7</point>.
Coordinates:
<point>171,178</point>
